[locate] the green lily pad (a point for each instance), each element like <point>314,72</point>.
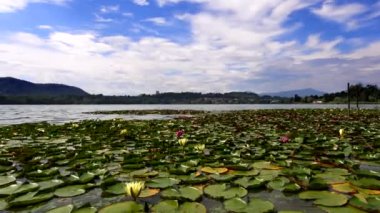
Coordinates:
<point>123,207</point>
<point>5,180</point>
<point>367,183</point>
<point>278,183</point>
<point>249,183</point>
<point>222,178</point>
<point>86,210</point>
<point>221,191</point>
<point>9,190</point>
<point>30,198</point>
<point>70,191</point>
<point>62,209</point>
<point>26,188</point>
<point>3,204</point>
<point>252,172</point>
<point>347,209</point>
<point>172,206</point>
<point>372,203</point>
<point>183,193</point>
<point>50,184</point>
<point>166,206</point>
<point>162,183</point>
<point>86,177</point>
<point>255,205</point>
<point>292,187</point>
<point>117,189</point>
<point>324,198</point>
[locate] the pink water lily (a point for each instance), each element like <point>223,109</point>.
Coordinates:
<point>180,133</point>
<point>284,139</point>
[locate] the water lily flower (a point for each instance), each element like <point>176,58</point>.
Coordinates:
<point>284,139</point>
<point>134,189</point>
<point>200,147</point>
<point>341,133</point>
<point>179,133</point>
<point>124,132</point>
<point>183,141</point>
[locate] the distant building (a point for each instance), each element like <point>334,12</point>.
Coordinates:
<point>317,102</point>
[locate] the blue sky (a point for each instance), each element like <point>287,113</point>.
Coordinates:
<point>140,46</point>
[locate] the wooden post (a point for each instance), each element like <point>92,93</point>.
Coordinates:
<point>348,98</point>
<point>357,97</point>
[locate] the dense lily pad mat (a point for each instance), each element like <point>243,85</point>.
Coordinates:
<point>227,159</point>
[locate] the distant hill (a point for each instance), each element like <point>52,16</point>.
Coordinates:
<point>291,93</point>
<point>16,87</point>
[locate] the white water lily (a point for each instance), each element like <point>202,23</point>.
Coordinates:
<point>183,141</point>
<point>199,147</point>
<point>124,132</point>
<point>341,133</point>
<point>134,189</point>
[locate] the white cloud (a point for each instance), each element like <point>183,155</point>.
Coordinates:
<point>160,21</point>
<point>127,14</point>
<point>141,2</point>
<point>344,14</point>
<point>109,8</point>
<point>9,6</point>
<point>234,45</point>
<point>44,27</point>
<point>102,19</point>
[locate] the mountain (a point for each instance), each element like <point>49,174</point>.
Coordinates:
<point>16,87</point>
<point>299,92</point>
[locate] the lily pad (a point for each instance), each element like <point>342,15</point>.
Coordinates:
<point>343,188</point>
<point>221,191</point>
<point>214,170</point>
<point>62,209</point>
<point>86,210</point>
<point>3,204</point>
<point>50,184</point>
<point>162,183</point>
<point>324,198</point>
<point>5,180</point>
<point>70,191</point>
<point>31,198</point>
<point>372,203</point>
<point>249,183</point>
<point>149,192</point>
<point>172,206</point>
<point>183,193</point>
<point>255,205</point>
<point>347,209</point>
<point>26,188</point>
<point>367,183</point>
<point>123,207</point>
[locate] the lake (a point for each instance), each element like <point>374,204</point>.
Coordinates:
<point>16,114</point>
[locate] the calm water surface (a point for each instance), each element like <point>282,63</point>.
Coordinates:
<point>16,114</point>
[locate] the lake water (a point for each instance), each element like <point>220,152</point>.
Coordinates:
<point>16,114</point>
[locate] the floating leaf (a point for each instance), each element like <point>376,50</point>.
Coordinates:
<point>5,180</point>
<point>372,203</point>
<point>222,191</point>
<point>183,193</point>
<point>162,183</point>
<point>249,183</point>
<point>367,183</point>
<point>149,192</point>
<point>70,191</point>
<point>347,209</point>
<point>214,170</point>
<point>172,206</point>
<point>324,198</point>
<point>63,209</point>
<point>343,188</point>
<point>86,210</point>
<point>31,198</point>
<point>255,205</point>
<point>123,207</point>
<point>49,184</point>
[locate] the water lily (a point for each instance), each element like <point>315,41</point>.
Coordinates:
<point>183,141</point>
<point>179,133</point>
<point>134,189</point>
<point>199,147</point>
<point>124,132</point>
<point>341,133</point>
<point>284,139</point>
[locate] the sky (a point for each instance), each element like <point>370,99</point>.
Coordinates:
<point>130,47</point>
